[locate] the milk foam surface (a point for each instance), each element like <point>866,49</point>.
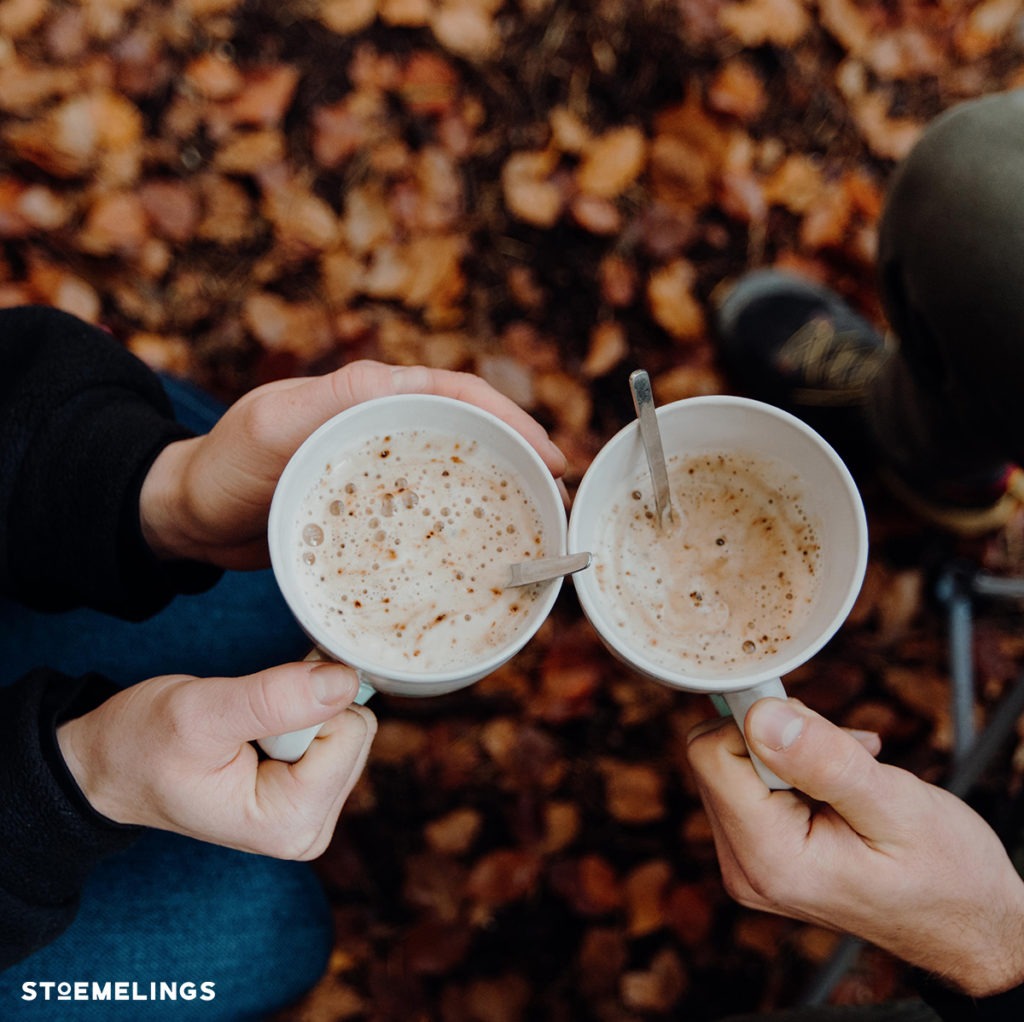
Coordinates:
<point>730,584</point>
<point>403,546</point>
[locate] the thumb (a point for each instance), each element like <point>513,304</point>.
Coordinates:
<point>824,761</point>
<point>283,699</point>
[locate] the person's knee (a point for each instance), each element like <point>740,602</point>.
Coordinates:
<point>277,938</point>
<point>257,931</point>
<point>967,163</point>
<point>949,246</point>
<point>976,122</point>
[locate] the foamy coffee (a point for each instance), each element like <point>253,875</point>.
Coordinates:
<point>403,546</point>
<point>730,583</point>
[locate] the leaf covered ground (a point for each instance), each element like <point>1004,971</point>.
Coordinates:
<point>547,193</point>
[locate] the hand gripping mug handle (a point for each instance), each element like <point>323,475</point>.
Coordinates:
<point>738,704</point>
<point>290,748</point>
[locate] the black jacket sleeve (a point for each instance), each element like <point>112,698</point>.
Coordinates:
<point>51,836</point>
<point>81,421</point>
<point>952,1006</point>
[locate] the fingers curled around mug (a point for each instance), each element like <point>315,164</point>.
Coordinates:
<point>365,730</point>
<point>351,733</point>
<point>335,760</point>
<point>871,740</point>
<point>477,391</point>
<point>713,746</point>
<point>723,730</point>
<point>823,760</point>
<point>709,726</point>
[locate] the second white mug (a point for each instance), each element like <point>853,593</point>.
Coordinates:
<point>760,567</point>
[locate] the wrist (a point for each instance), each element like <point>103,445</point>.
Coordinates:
<point>163,508</point>
<point>999,966</point>
<point>81,757</point>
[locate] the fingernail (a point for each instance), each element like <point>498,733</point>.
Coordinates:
<point>555,457</point>
<point>564,491</point>
<point>871,740</point>
<point>864,736</point>
<point>369,720</point>
<point>776,724</point>
<point>333,683</point>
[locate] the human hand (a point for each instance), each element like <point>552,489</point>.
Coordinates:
<point>174,753</point>
<point>208,498</point>
<point>868,849</point>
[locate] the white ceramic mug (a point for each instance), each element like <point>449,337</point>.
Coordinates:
<point>453,552</point>
<point>812,476</point>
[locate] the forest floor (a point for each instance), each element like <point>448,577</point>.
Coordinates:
<point>547,193</point>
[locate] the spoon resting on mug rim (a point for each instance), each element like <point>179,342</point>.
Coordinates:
<point>543,569</point>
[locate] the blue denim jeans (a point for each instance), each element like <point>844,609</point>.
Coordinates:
<point>171,910</point>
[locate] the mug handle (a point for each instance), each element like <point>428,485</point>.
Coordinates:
<point>737,703</point>
<point>291,747</point>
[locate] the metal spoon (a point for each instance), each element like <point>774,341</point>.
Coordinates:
<point>542,569</point>
<point>643,401</point>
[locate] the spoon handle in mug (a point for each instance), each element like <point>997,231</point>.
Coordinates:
<point>650,435</point>
<point>291,747</point>
<point>738,704</point>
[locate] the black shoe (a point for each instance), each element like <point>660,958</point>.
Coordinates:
<point>797,345</point>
